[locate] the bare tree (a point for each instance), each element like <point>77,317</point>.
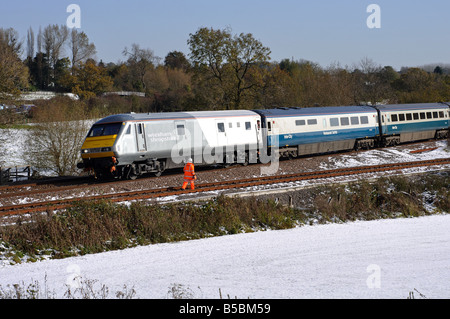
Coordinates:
<point>140,61</point>
<point>30,43</point>
<point>80,48</point>
<point>39,41</point>
<point>56,139</point>
<point>53,38</point>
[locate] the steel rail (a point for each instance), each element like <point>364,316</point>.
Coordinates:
<point>222,185</point>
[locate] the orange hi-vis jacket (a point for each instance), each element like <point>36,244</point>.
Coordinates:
<point>189,173</point>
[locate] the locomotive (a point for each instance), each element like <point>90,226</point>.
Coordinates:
<point>129,145</point>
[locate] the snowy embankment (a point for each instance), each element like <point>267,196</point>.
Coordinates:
<point>374,259</point>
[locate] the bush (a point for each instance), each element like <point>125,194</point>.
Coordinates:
<point>91,227</point>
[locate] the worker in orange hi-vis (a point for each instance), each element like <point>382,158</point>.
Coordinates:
<point>189,174</point>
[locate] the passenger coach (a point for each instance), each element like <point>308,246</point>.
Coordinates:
<point>412,122</point>
<point>303,131</point>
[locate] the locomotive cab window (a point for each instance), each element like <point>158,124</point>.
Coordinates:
<point>139,128</point>
<point>105,129</point>
<point>180,130</point>
<point>248,126</point>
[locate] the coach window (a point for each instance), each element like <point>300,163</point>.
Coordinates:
<point>334,122</point>
<point>435,115</point>
<point>422,116</point>
<point>300,122</point>
<point>409,117</point>
<point>401,117</point>
<point>221,127</point>
<point>441,114</point>
<point>364,120</point>
<point>345,121</point>
<point>312,122</point>
<point>416,116</point>
<point>429,115</point>
<point>354,120</point>
<point>394,117</point>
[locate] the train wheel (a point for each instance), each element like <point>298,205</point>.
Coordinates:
<point>130,172</point>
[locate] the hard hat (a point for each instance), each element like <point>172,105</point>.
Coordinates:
<point>189,160</point>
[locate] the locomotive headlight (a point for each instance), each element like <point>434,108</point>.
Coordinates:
<point>85,151</point>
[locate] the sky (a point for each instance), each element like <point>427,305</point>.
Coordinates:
<point>411,33</point>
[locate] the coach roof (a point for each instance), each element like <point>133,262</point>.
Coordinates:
<point>412,107</point>
<point>173,116</point>
<point>311,111</point>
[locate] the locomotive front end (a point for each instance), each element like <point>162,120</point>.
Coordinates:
<point>98,151</point>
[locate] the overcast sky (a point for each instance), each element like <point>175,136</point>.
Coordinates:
<point>412,33</point>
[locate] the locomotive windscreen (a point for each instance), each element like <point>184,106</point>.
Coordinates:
<point>105,129</point>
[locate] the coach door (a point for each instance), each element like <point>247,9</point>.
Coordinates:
<point>140,137</point>
<point>221,133</point>
<point>181,133</point>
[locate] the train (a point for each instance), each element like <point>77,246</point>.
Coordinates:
<point>129,145</point>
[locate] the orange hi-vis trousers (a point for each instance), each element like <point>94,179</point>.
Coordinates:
<point>189,175</point>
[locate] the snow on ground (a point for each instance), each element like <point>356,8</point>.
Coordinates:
<point>374,259</point>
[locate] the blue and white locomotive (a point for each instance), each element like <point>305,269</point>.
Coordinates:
<point>128,145</point>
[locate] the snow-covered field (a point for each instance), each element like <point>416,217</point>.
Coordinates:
<point>374,259</point>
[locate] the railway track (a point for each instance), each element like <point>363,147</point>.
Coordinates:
<point>55,205</point>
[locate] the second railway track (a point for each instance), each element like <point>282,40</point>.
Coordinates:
<point>59,204</point>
